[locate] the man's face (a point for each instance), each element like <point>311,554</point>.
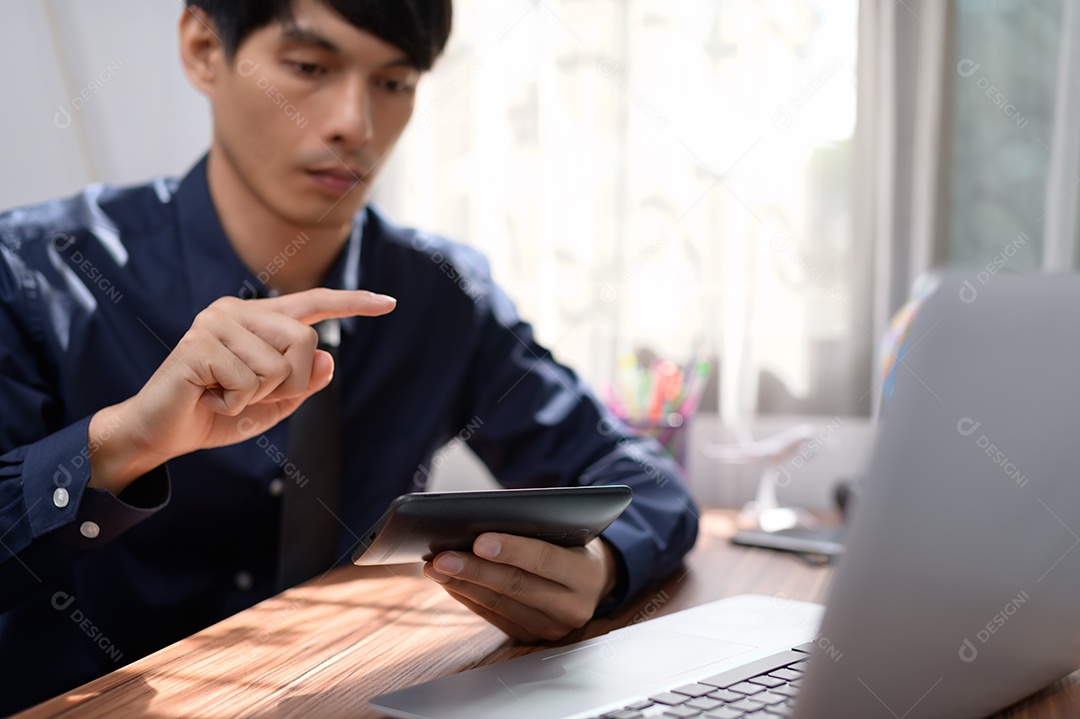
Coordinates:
<point>306,113</point>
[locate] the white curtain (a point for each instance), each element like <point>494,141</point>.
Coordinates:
<point>898,209</point>
<point>667,175</point>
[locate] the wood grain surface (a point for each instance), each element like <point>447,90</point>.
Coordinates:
<point>323,648</point>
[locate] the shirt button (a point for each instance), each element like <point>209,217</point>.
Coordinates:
<point>90,530</point>
<point>61,497</point>
<point>277,487</point>
<point>244,581</point>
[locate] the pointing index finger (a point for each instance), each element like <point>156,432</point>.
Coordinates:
<point>321,303</point>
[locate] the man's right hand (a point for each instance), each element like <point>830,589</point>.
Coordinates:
<point>242,367</point>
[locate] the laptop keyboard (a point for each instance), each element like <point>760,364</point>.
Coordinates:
<point>763,689</point>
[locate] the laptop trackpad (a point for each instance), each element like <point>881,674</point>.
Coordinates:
<point>633,662</point>
<point>648,655</point>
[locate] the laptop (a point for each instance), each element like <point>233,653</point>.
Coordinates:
<point>959,593</point>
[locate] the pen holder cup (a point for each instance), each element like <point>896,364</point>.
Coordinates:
<point>671,431</point>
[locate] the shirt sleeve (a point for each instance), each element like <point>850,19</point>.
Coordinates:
<point>534,422</point>
<point>49,517</point>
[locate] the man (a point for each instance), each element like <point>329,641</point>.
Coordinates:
<point>155,340</point>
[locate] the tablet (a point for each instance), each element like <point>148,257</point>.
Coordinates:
<point>418,526</point>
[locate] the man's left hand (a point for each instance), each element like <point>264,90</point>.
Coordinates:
<point>531,589</point>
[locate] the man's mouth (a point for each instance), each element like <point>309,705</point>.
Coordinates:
<point>336,180</point>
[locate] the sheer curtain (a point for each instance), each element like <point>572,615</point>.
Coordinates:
<point>673,176</point>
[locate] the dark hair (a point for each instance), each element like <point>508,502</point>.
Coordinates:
<point>419,27</point>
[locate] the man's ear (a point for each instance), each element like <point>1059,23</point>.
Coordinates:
<point>201,49</point>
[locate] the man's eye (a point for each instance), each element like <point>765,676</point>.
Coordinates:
<point>396,86</point>
<point>307,68</point>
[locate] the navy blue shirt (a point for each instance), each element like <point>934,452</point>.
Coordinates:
<point>96,289</point>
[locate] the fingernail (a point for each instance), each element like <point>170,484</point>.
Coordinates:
<point>450,564</point>
<point>487,547</point>
<point>386,297</point>
<point>440,578</point>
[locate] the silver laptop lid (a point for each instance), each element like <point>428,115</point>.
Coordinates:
<point>960,590</point>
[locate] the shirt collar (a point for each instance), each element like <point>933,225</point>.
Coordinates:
<point>214,269</point>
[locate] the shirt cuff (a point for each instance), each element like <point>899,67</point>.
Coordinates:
<point>56,472</point>
<point>633,544</point>
<point>103,516</point>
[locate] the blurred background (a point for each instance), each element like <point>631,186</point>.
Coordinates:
<point>752,182</point>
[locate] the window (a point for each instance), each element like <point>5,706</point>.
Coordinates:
<point>673,176</point>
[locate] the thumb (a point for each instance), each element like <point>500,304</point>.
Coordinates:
<point>322,371</point>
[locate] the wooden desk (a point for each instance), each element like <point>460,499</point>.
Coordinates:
<point>322,649</point>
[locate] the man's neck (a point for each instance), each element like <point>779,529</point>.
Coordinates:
<point>286,257</point>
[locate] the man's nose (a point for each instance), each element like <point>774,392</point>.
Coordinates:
<point>349,117</point>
